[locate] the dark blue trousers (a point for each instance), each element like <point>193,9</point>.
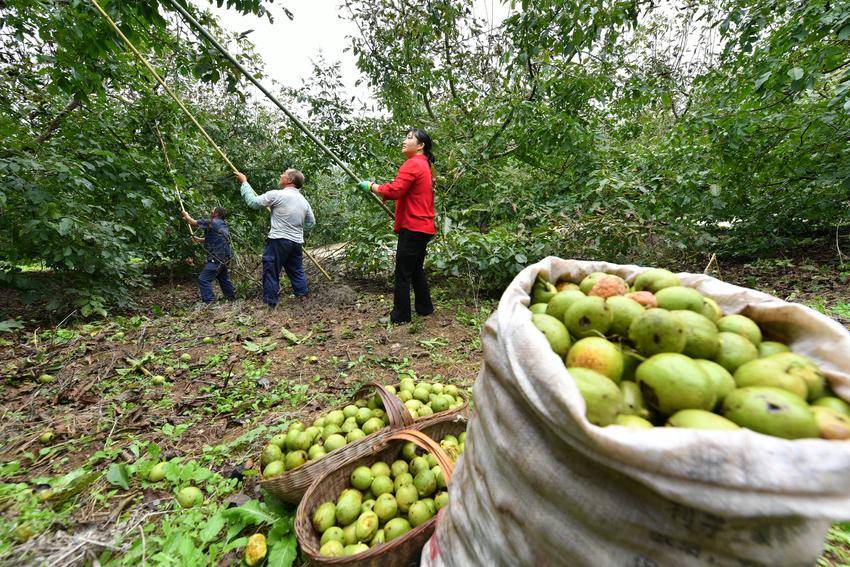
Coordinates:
<point>215,271</point>
<point>282,254</point>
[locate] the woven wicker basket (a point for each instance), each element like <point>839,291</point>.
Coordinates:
<point>401,551</point>
<point>291,485</point>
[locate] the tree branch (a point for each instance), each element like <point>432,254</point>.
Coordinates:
<point>57,120</point>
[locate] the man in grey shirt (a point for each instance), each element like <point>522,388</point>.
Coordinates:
<point>290,215</point>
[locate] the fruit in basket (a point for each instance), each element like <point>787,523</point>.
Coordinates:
<point>386,507</point>
<point>680,298</point>
<point>671,382</point>
<point>538,307</point>
<point>316,452</point>
<point>396,527</point>
<point>701,336</point>
<point>367,525</point>
<point>602,397</point>
<point>361,478</point>
<point>565,285</point>
<point>332,548</point>
<point>625,310</point>
<point>722,381</point>
<point>380,469</point>
<point>699,419</point>
<point>633,403</point>
<point>334,442</point>
<point>588,316</point>
<point>354,549</point>
<point>711,310</point>
<point>398,468</point>
<point>441,479</point>
<point>767,348</point>
<point>805,368</point>
<point>734,351</point>
<point>348,507</point>
<point>542,291</point>
<point>832,402</point>
<point>401,480</point>
<point>559,304</point>
<point>270,453</point>
<point>832,424</point>
<point>609,286</point>
<point>657,330</point>
<point>295,459</point>
<point>382,485</point>
<point>633,422</point>
<point>373,425</point>
<point>597,354</point>
<point>441,499</point>
<point>656,279</point>
<point>335,417</point>
<point>554,331</point>
<point>590,280</point>
<point>273,469</point>
<point>644,298</point>
<point>378,539</point>
<point>419,513</point>
<point>333,533</point>
<point>741,325</point>
<point>324,517</point>
<point>419,464</point>
<point>405,496</point>
<point>767,372</point>
<point>425,483</point>
<point>771,411</point>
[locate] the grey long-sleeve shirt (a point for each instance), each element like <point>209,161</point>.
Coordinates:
<point>291,213</point>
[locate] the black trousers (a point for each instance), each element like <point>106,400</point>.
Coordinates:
<point>410,269</point>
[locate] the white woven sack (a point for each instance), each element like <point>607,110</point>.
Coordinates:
<point>540,485</point>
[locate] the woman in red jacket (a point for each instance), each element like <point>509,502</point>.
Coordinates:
<point>413,191</point>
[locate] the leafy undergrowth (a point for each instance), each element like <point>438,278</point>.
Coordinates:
<point>84,420</point>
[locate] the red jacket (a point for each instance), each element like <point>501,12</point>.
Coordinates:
<point>413,191</point>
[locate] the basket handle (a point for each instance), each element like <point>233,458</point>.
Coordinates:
<point>397,413</point>
<point>419,438</point>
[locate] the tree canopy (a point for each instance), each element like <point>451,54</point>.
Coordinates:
<point>610,129</point>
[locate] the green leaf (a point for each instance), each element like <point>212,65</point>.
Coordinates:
<point>283,552</point>
<point>796,73</point>
<point>212,527</point>
<point>844,33</point>
<point>763,79</point>
<point>279,530</point>
<point>250,513</point>
<point>10,325</point>
<point>238,542</point>
<point>117,475</point>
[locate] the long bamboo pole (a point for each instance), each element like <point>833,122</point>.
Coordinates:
<point>301,126</point>
<point>182,106</point>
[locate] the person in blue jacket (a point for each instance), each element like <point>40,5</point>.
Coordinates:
<point>216,241</point>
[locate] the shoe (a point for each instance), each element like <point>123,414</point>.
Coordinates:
<point>385,320</point>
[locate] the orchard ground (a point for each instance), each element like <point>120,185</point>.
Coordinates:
<point>81,495</point>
